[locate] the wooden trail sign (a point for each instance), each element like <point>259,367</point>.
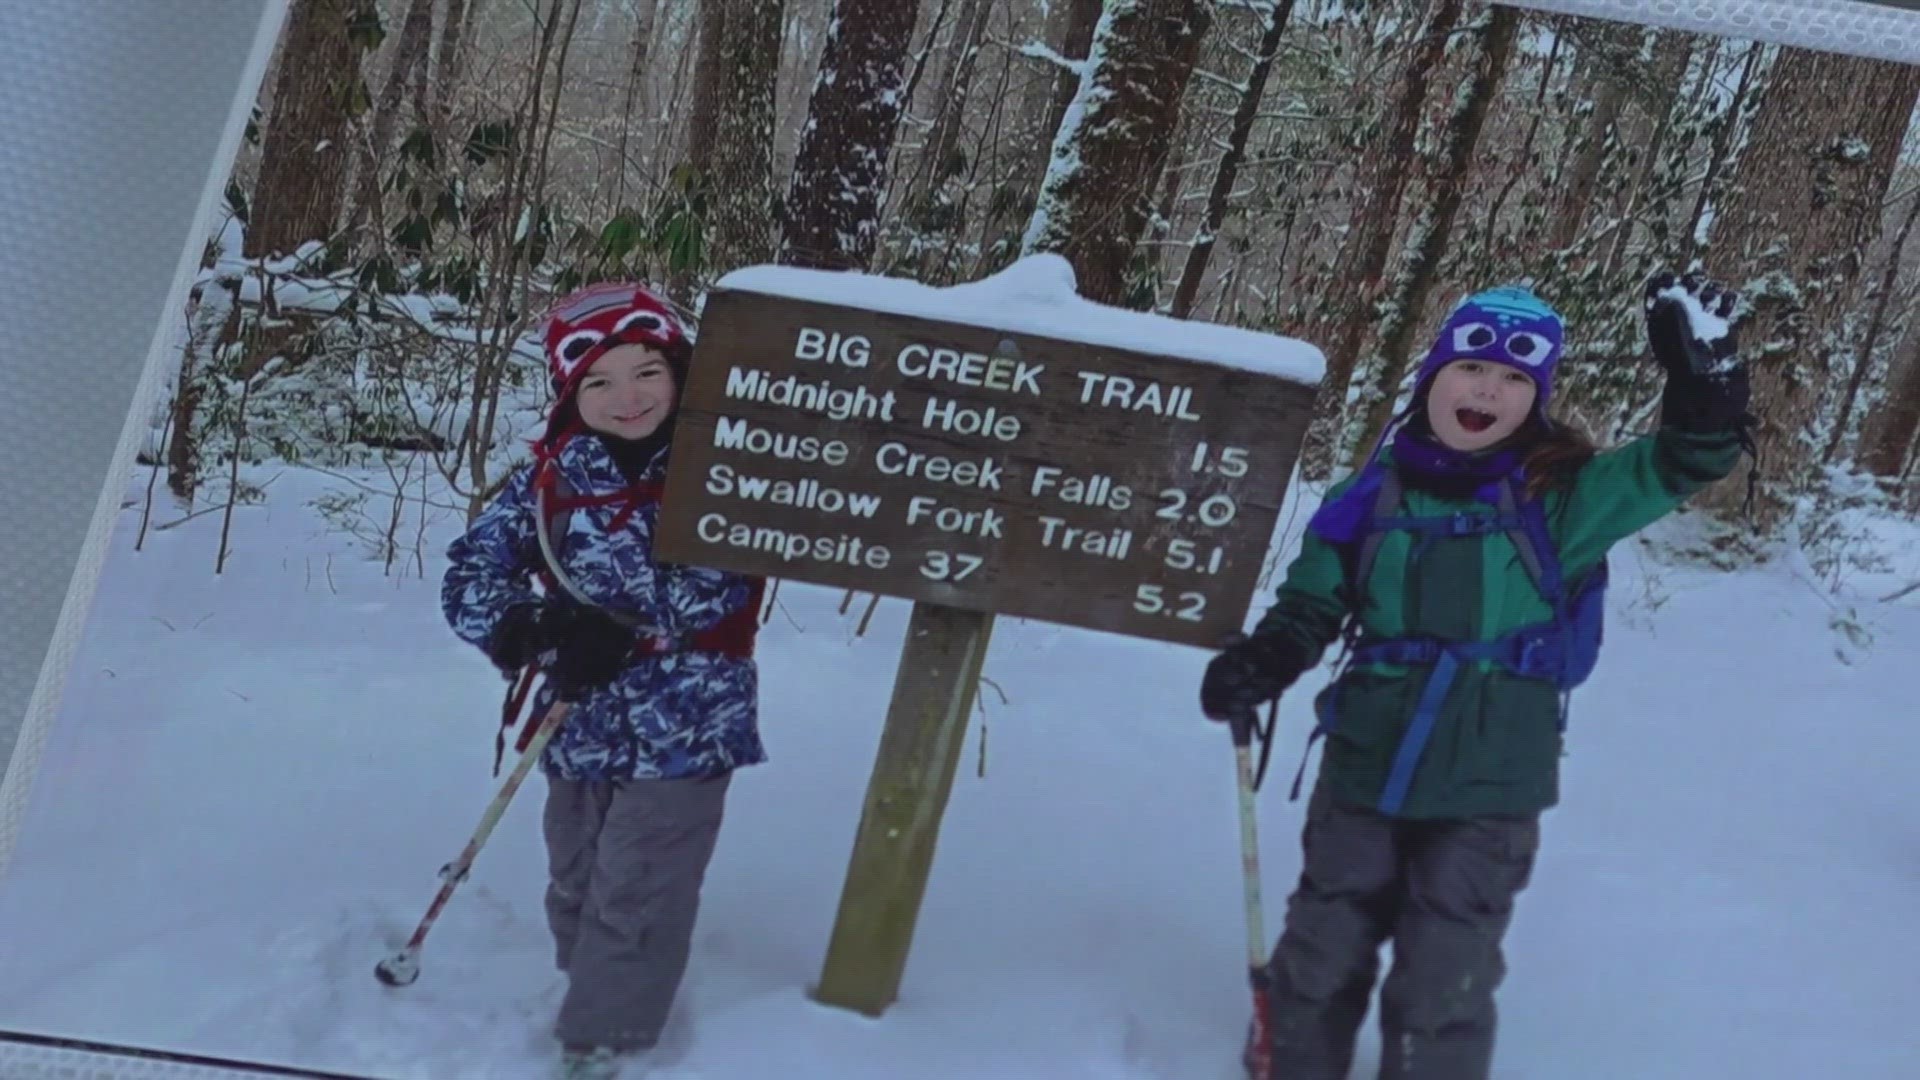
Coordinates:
<point>968,467</point>
<point>975,471</point>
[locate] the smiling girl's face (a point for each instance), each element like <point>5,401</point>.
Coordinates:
<point>1472,404</point>
<point>628,392</point>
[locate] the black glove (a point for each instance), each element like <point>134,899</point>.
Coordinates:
<point>590,647</point>
<point>517,639</point>
<point>1674,337</point>
<point>1246,674</point>
<point>1708,388</point>
<point>1707,404</point>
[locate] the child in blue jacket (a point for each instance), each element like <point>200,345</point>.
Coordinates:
<point>655,658</point>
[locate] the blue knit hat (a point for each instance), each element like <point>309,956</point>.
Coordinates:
<point>1508,325</point>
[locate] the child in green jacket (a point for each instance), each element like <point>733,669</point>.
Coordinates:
<point>1443,736</point>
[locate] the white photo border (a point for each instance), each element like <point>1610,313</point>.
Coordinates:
<point>119,91</point>
<point>123,119</point>
<point>1880,29</point>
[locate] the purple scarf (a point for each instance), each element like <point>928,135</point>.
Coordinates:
<point>1424,461</point>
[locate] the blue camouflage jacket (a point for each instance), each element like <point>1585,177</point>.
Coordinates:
<point>669,716</point>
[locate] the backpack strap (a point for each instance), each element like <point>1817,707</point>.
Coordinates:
<point>733,636</point>
<point>1534,544</point>
<point>1525,523</point>
<point>1386,502</point>
<point>1358,567</point>
<point>1542,561</point>
<point>553,500</point>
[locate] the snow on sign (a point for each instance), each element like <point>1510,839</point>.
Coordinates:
<point>1003,447</point>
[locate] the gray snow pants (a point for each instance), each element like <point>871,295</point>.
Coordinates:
<point>1443,892</point>
<point>626,860</point>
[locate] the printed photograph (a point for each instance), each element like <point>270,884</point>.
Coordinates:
<point>1121,539</point>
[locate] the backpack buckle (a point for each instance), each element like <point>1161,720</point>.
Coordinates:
<point>1528,651</point>
<point>1404,652</point>
<point>1537,656</point>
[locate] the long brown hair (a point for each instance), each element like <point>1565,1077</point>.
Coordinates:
<point>1555,456</point>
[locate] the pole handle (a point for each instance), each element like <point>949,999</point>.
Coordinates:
<point>1241,726</point>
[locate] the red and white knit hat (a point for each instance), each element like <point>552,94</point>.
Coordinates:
<point>588,323</point>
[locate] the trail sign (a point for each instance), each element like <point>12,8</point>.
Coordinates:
<point>976,468</point>
<point>937,445</point>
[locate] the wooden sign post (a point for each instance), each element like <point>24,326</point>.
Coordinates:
<point>974,471</point>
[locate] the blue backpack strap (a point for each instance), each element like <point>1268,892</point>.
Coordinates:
<point>1412,745</point>
<point>1446,664</point>
<point>1386,503</point>
<point>1535,544</point>
<point>1446,657</point>
<point>1525,523</point>
<point>1541,558</point>
<point>1373,529</point>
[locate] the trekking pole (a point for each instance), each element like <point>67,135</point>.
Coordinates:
<point>402,968</point>
<point>1258,1056</point>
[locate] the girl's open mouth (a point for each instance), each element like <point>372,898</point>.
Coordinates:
<point>1474,420</point>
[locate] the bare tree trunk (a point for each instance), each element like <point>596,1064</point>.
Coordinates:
<point>409,56</point>
<point>1172,179</point>
<point>1672,54</point>
<point>1522,161</point>
<point>1112,147</point>
<point>233,475</point>
<point>214,326</point>
<point>634,96</point>
<point>1082,16</point>
<point>421,85</point>
<point>1356,277</point>
<point>955,86</point>
<point>450,59</point>
<point>833,202</point>
<point>731,132</point>
<point>1891,429</point>
<point>1722,149</point>
<point>919,69</point>
<point>1576,186</point>
<point>1431,233</point>
<point>505,308</point>
<point>1229,170</point>
<point>1803,208</point>
<point>742,164</point>
<point>703,121</point>
<point>709,83</point>
<point>303,160</point>
<point>1863,363</point>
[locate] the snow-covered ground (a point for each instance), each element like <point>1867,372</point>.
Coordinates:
<point>254,778</point>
